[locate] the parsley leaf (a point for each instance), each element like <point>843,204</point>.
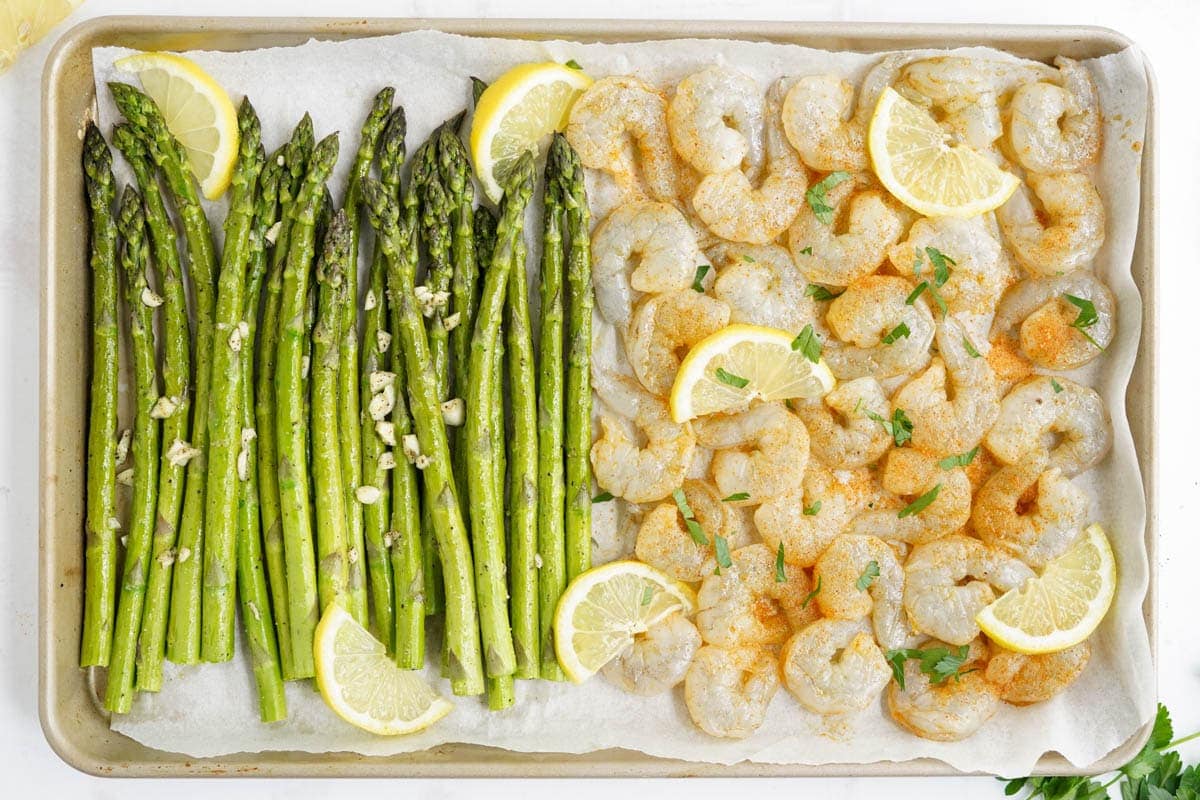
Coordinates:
<point>780,570</point>
<point>748,259</point>
<point>813,510</point>
<point>573,64</point>
<point>920,504</point>
<point>900,427</point>
<point>1055,385</point>
<point>808,344</point>
<point>915,293</point>
<point>736,381</point>
<point>809,597</point>
<point>682,504</point>
<point>1087,316</point>
<point>695,531</point>
<point>722,549</point>
<point>941,265</point>
<point>816,199</point>
<point>970,348</point>
<point>819,293</point>
<point>901,331</point>
<point>868,576</point>
<point>603,497</point>
<point>806,251</point>
<point>647,595</point>
<point>698,281</point>
<point>736,497</point>
<point>689,518</point>
<point>938,663</point>
<point>960,460</point>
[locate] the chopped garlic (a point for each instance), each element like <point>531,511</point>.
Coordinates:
<point>454,411</point>
<point>184,554</point>
<point>387,432</point>
<point>122,448</point>
<point>369,302</point>
<point>383,340</point>
<point>125,477</point>
<point>451,322</point>
<point>367,495</point>
<point>164,407</point>
<point>272,233</point>
<point>382,403</point>
<point>387,460</point>
<point>410,445</point>
<point>422,461</point>
<point>180,453</point>
<point>150,299</point>
<point>380,379</point>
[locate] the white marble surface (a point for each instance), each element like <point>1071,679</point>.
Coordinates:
<point>1166,29</point>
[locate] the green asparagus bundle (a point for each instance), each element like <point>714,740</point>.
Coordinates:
<point>100,548</point>
<point>224,413</point>
<point>134,257</point>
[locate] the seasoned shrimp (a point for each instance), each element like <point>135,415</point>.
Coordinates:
<point>980,271</point>
<point>619,126</point>
<point>869,310</point>
<point>806,519</point>
<point>761,285</point>
<point>1035,528</point>
<point>733,209</point>
<point>641,247</point>
<point>833,666</point>
<point>664,541</point>
<point>841,570</point>
<point>638,472</point>
<point>819,122</point>
<point>842,435</point>
<point>954,402</point>
<point>865,225</point>
<point>728,691</point>
<point>939,599</point>
<point>775,460</point>
<point>715,120</point>
<point>1041,410</point>
<point>1046,334</point>
<point>743,604</point>
<point>663,327</point>
<point>1021,680</point>
<point>1067,235</point>
<point>909,473</point>
<point>1056,128</point>
<point>948,711</point>
<point>658,659</point>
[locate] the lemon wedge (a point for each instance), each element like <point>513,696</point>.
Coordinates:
<point>364,687</point>
<point>1060,608</point>
<point>916,160</point>
<point>516,113</point>
<point>197,111</point>
<point>740,363</point>
<point>24,22</point>
<point>604,608</point>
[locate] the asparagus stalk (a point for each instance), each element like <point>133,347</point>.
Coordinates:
<point>552,576</point>
<point>134,258</point>
<point>578,422</point>
<point>289,418</point>
<point>100,548</point>
<point>224,413</point>
<point>464,659</point>
<point>183,632</point>
<point>487,505</point>
<point>253,592</point>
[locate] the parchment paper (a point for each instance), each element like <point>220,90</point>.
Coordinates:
<point>212,709</point>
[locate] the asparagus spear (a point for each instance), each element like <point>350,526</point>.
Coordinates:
<point>289,399</point>
<point>224,412</point>
<point>253,592</point>
<point>465,662</point>
<point>295,155</point>
<point>134,258</point>
<point>183,633</point>
<point>552,576</point>
<point>100,549</point>
<point>578,423</point>
<point>487,518</point>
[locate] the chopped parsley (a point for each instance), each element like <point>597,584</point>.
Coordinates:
<point>899,427</point>
<point>809,597</point>
<point>819,293</point>
<point>722,549</point>
<point>920,504</point>
<point>970,348</point>
<point>698,281</point>
<point>816,199</point>
<point>868,576</point>
<point>1055,385</point>
<point>573,64</point>
<point>647,595</point>
<point>813,510</point>
<point>736,497</point>
<point>736,381</point>
<point>939,663</point>
<point>806,251</point>
<point>960,460</point>
<point>901,331</point>
<point>689,518</point>
<point>603,497</point>
<point>808,344</point>
<point>780,570</point>
<point>1087,317</point>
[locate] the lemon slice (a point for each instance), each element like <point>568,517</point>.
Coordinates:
<point>918,163</point>
<point>604,608</point>
<point>364,687</point>
<point>739,363</point>
<point>24,22</point>
<point>1063,606</point>
<point>197,111</point>
<point>516,113</point>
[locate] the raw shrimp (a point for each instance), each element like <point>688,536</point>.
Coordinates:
<point>870,309</point>
<point>1045,315</point>
<point>715,120</point>
<point>775,460</point>
<point>619,125</point>
<point>1057,417</point>
<point>733,209</point>
<point>1056,128</point>
<point>842,435</point>
<point>640,473</point>
<point>727,692</point>
<point>1067,235</point>
<point>939,599</point>
<point>658,659</point>
<point>954,402</point>
<point>1021,680</point>
<point>909,473</point>
<point>833,666</point>
<point>841,570</point>
<point>806,519</point>
<point>663,327</point>
<point>663,540</point>
<point>980,271</point>
<point>743,604</point>
<point>819,122</point>
<point>641,247</point>
<point>762,286</point>
<point>949,711</point>
<point>1035,529</point>
<point>865,225</point>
